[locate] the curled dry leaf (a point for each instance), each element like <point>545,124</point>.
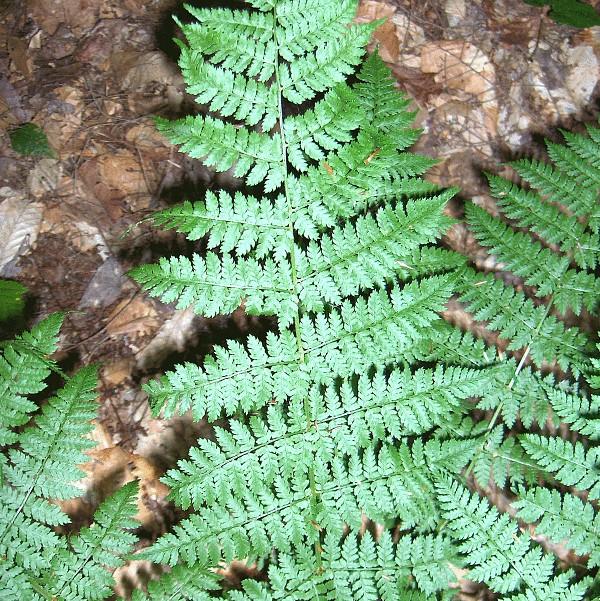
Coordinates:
<point>460,65</point>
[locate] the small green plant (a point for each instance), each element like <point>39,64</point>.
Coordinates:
<point>40,452</point>
<point>570,12</point>
<point>29,139</point>
<point>363,405</point>
<point>12,300</point>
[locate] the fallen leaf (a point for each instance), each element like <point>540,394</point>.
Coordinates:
<point>44,177</point>
<point>18,52</point>
<point>460,66</point>
<point>385,34</point>
<point>134,318</point>
<point>19,225</point>
<point>174,335</point>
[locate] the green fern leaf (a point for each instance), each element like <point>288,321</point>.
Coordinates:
<point>81,573</point>
<point>221,145</point>
<point>538,266</point>
<point>521,322</point>
<point>563,519</point>
<point>568,462</point>
<point>547,220</point>
<point>505,560</point>
<point>24,366</point>
<point>373,332</point>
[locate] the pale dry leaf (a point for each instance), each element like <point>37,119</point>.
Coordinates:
<point>456,11</point>
<point>44,177</point>
<point>583,73</point>
<point>151,67</point>
<point>462,66</point>
<point>174,336</point>
<point>105,286</point>
<point>19,225</point>
<point>18,51</point>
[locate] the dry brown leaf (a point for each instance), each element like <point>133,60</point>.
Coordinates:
<point>112,177</point>
<point>151,67</point>
<point>44,177</point>
<point>135,318</point>
<point>385,35</point>
<point>116,373</point>
<point>80,15</point>
<point>460,66</point>
<point>174,335</point>
<point>18,50</point>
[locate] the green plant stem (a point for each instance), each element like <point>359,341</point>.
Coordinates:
<point>294,271</point>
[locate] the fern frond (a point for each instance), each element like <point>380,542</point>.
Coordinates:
<point>579,411</point>
<point>384,107</point>
<point>567,462</point>
<point>554,186</point>
<point>291,512</point>
<point>351,260</point>
<point>264,448</point>
<point>24,365</point>
<point>182,583</point>
<point>563,519</point>
<point>214,286</point>
<point>538,266</point>
<point>363,398</point>
<point>358,570</point>
<point>545,219</point>
<point>243,24</point>
<point>324,128</point>
<point>304,24</point>
<point>44,466</point>
<point>81,573</point>
<point>230,94</point>
<point>251,54</point>
<point>353,568</point>
<point>361,174</point>
<point>521,322</point>
<point>573,163</point>
<point>237,223</point>
<point>498,556</point>
<point>329,65</point>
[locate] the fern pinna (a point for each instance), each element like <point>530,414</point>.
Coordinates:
<point>39,464</point>
<point>358,405</point>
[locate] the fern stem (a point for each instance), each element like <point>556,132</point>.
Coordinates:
<point>293,267</point>
<point>509,386</point>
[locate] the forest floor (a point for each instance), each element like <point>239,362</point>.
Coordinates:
<point>489,80</point>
